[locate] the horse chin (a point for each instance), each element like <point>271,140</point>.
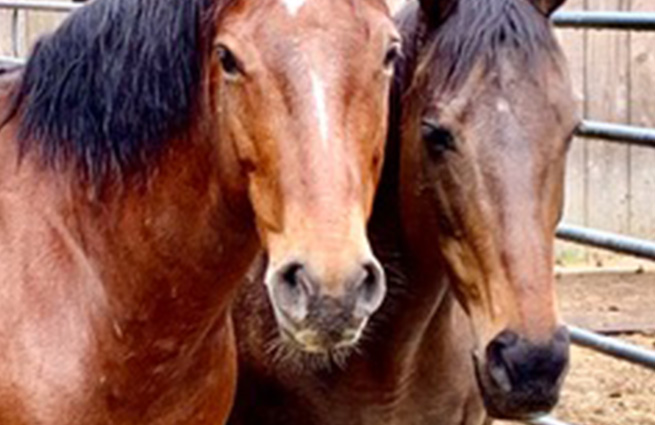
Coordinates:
<point>317,342</point>
<point>504,405</point>
<point>305,351</point>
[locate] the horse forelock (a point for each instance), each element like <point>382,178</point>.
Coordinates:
<point>114,83</point>
<point>476,32</point>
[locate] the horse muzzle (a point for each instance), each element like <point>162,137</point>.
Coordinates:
<point>519,379</point>
<point>316,322</point>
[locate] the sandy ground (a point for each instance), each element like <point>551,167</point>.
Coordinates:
<point>603,391</point>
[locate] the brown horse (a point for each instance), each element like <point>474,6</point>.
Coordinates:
<point>464,223</point>
<point>148,150</point>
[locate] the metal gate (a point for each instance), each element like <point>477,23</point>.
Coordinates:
<point>608,132</point>
<point>611,133</point>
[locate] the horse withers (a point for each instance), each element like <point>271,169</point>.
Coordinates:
<point>464,219</point>
<point>149,149</point>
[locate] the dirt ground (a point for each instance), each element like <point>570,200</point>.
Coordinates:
<point>601,390</point>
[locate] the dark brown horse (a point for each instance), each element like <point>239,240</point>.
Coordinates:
<point>148,150</point>
<point>464,222</point>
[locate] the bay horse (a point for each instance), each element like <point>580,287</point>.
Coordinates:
<point>464,220</point>
<point>149,149</point>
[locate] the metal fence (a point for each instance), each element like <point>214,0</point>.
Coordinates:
<point>610,132</point>
<point>617,133</point>
<point>16,6</point>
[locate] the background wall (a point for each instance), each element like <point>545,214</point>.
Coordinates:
<point>31,25</point>
<point>610,186</point>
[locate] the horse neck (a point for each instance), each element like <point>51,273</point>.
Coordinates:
<point>418,299</point>
<point>176,249</point>
<point>130,286</point>
<point>162,258</point>
<point>420,320</point>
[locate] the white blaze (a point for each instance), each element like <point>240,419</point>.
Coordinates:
<point>293,6</point>
<point>318,90</point>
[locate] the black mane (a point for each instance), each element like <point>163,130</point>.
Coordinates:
<point>114,83</point>
<point>477,30</point>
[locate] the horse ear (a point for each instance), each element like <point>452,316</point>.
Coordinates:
<point>437,10</point>
<point>547,7</point>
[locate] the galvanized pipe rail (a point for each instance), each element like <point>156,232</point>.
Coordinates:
<point>606,345</point>
<point>8,60</point>
<point>607,240</point>
<point>635,21</point>
<point>52,6</point>
<point>614,133</point>
<point>613,347</point>
<point>619,133</point>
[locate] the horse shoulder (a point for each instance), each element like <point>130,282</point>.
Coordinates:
<point>47,333</point>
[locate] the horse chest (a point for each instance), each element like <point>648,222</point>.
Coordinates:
<point>46,373</point>
<point>419,406</point>
<point>63,360</point>
<point>50,377</point>
<point>428,382</point>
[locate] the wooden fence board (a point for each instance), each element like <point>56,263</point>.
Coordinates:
<point>606,99</point>
<point>5,32</point>
<point>642,112</point>
<point>573,45</point>
<point>38,23</point>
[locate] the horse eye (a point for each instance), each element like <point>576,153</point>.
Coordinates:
<point>437,139</point>
<point>393,54</point>
<point>229,62</point>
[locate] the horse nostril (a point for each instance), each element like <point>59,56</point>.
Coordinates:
<point>371,287</point>
<point>290,275</point>
<point>293,290</point>
<point>498,362</point>
<point>516,364</point>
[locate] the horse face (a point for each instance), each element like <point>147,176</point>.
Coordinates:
<point>495,166</point>
<point>483,173</point>
<point>303,89</point>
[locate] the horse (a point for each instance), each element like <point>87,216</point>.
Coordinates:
<point>149,150</point>
<point>481,117</point>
